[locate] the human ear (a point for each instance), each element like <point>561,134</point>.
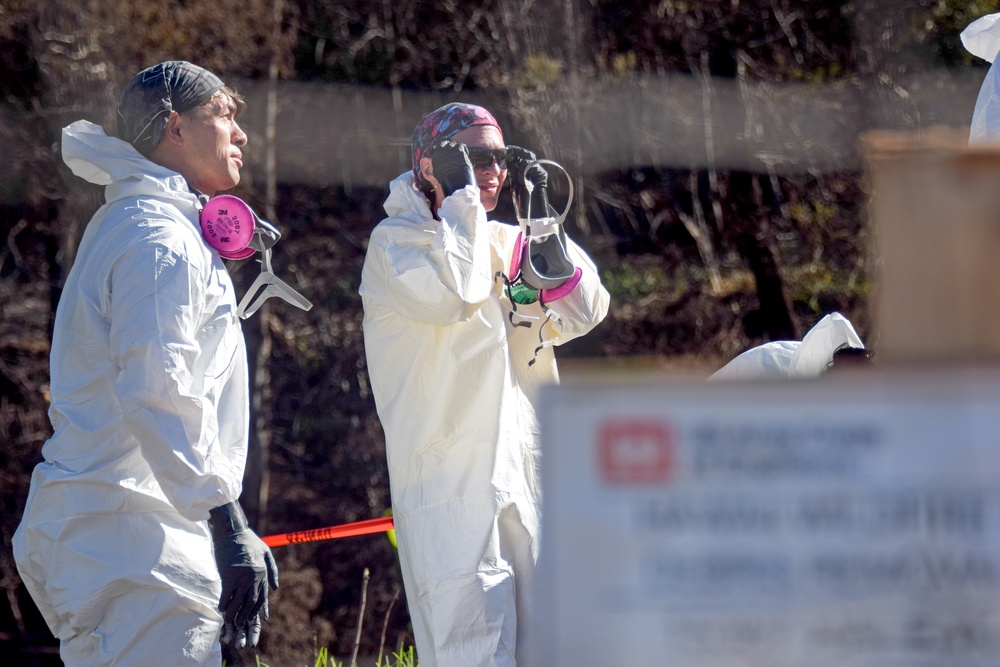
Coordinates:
<point>172,130</point>
<point>437,192</point>
<point>427,170</point>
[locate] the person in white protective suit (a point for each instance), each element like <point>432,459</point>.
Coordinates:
<point>832,341</point>
<point>132,540</point>
<point>457,345</point>
<point>981,38</point>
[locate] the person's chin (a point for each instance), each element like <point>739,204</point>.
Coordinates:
<point>489,203</point>
<point>232,182</point>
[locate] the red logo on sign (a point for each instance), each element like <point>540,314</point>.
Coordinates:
<point>636,452</point>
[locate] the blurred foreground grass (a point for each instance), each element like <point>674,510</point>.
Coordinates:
<point>405,657</point>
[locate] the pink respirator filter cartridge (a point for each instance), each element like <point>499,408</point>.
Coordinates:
<point>227,224</point>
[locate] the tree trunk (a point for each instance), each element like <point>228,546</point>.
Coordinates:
<point>256,478</point>
<point>747,225</point>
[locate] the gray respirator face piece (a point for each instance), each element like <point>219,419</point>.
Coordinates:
<point>541,253</point>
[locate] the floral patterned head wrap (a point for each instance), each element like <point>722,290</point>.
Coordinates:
<point>443,123</point>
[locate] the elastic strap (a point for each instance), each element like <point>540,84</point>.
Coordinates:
<point>550,316</point>
<point>508,288</point>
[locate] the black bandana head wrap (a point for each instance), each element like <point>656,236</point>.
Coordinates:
<point>148,99</point>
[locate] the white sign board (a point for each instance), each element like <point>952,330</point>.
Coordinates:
<point>841,522</point>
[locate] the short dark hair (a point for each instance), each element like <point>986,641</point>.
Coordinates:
<point>231,93</point>
<point>846,355</point>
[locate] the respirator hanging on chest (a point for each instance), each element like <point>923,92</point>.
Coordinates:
<point>230,226</point>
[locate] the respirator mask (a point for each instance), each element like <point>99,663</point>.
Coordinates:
<point>230,226</point>
<point>540,261</point>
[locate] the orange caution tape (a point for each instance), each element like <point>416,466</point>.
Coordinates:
<point>366,527</point>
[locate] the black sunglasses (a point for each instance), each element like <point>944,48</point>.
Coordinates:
<point>483,158</point>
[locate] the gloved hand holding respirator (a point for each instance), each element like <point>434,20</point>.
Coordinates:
<point>529,183</point>
<point>540,261</point>
<point>246,567</point>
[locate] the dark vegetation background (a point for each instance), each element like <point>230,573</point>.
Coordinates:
<point>713,143</point>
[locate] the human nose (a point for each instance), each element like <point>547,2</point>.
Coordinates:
<point>239,136</point>
<point>494,168</point>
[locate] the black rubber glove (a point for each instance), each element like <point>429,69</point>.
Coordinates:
<point>247,567</point>
<point>536,202</point>
<point>452,167</point>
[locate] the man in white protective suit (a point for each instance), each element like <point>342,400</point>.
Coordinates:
<point>458,334</point>
<point>832,342</point>
<point>981,38</point>
<point>132,540</point>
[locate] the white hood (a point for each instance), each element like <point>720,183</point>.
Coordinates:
<point>95,157</point>
<point>404,198</point>
<point>814,355</point>
<point>982,37</point>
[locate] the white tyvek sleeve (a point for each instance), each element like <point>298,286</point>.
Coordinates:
<point>445,280</point>
<point>157,301</point>
<point>583,308</point>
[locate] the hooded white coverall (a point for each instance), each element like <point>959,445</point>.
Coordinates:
<point>981,38</point>
<point>809,357</point>
<point>150,415</point>
<point>454,390</point>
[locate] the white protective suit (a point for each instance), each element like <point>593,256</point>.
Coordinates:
<point>809,357</point>
<point>982,39</point>
<point>454,390</point>
<point>150,416</point>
